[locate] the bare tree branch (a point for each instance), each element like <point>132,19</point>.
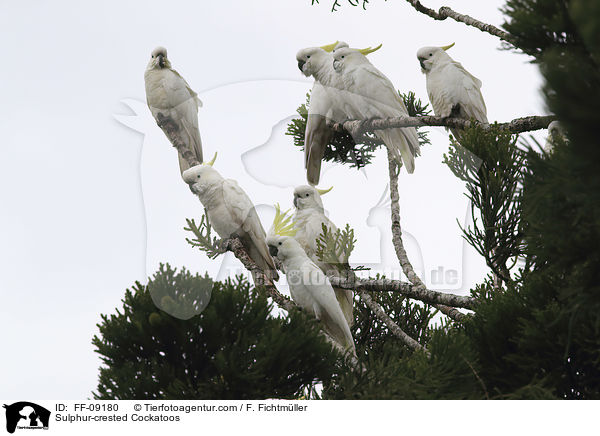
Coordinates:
<point>394,328</point>
<point>487,397</point>
<point>408,289</point>
<point>357,128</point>
<point>451,312</point>
<point>407,267</point>
<point>445,12</point>
<point>440,15</point>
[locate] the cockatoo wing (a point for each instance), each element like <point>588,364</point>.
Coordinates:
<point>169,94</point>
<point>190,90</point>
<point>454,85</point>
<point>310,227</point>
<point>252,232</point>
<point>442,90</point>
<point>383,101</point>
<point>317,135</point>
<point>472,101</point>
<point>326,307</point>
<point>186,102</point>
<point>344,297</point>
<point>373,84</point>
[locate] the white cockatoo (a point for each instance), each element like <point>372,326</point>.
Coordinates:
<point>452,90</point>
<point>309,220</point>
<point>368,93</point>
<point>317,62</point>
<point>309,286</point>
<point>168,94</point>
<point>231,212</point>
<point>555,133</point>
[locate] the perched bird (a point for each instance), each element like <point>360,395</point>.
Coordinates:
<point>317,62</point>
<point>452,90</point>
<point>168,95</point>
<point>555,133</point>
<point>309,286</point>
<point>310,218</point>
<point>231,213</point>
<point>370,94</point>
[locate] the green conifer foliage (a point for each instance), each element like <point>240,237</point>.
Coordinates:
<point>355,152</point>
<point>534,336</point>
<point>561,205</point>
<point>234,349</point>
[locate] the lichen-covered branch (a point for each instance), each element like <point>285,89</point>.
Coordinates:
<point>440,15</point>
<point>446,12</point>
<point>394,328</point>
<point>451,312</point>
<point>407,267</point>
<point>407,289</point>
<point>358,128</point>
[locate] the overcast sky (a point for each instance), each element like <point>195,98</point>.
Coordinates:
<point>91,196</point>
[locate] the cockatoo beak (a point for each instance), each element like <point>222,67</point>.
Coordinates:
<point>295,202</point>
<point>161,61</point>
<point>422,62</point>
<point>301,65</point>
<point>273,250</point>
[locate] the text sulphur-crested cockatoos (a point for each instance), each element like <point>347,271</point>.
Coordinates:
<point>452,90</point>
<point>309,286</point>
<point>309,219</point>
<point>168,95</point>
<point>231,213</point>
<point>368,93</point>
<point>323,108</point>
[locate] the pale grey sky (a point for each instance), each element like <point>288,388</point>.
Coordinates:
<point>83,218</point>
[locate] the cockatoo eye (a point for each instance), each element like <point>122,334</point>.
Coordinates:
<point>307,194</point>
<point>198,175</point>
<point>430,54</point>
<point>279,242</point>
<point>308,57</point>
<point>343,57</point>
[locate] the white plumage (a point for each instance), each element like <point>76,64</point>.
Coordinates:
<point>555,133</point>
<point>310,288</point>
<point>323,108</point>
<point>168,94</point>
<point>368,93</point>
<point>452,90</point>
<point>309,220</point>
<point>231,212</point>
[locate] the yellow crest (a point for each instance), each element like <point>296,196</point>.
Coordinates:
<point>446,47</point>
<point>323,191</point>
<point>212,162</point>
<point>282,223</point>
<point>329,47</point>
<point>368,50</point>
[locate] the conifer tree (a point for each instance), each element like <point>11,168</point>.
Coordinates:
<point>534,330</point>
<point>234,349</point>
